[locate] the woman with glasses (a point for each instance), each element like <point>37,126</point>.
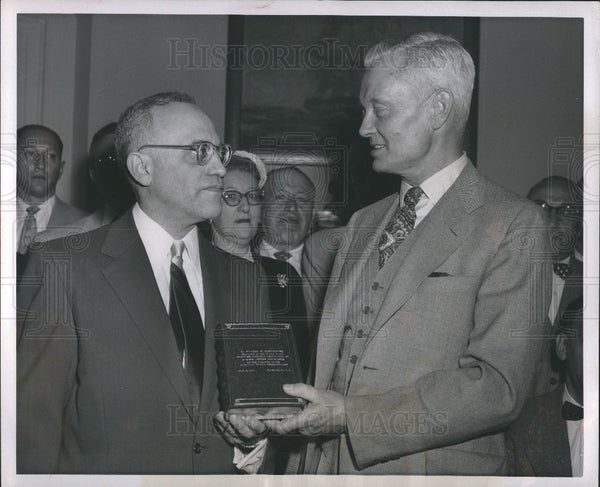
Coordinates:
<point>233,232</point>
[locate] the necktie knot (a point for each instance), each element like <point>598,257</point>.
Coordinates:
<point>32,210</point>
<point>571,412</point>
<point>177,248</point>
<point>412,197</point>
<point>282,255</point>
<point>562,270</point>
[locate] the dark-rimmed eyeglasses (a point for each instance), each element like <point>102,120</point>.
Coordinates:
<point>562,210</point>
<point>203,149</point>
<point>234,198</point>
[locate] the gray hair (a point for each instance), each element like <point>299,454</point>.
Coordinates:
<point>137,119</point>
<point>430,59</point>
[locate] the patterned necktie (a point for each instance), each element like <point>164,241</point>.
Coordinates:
<point>562,270</point>
<point>29,229</point>
<point>282,255</point>
<point>401,224</point>
<point>185,317</point>
<point>571,412</point>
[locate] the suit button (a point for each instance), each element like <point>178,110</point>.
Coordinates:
<point>353,359</point>
<point>360,333</point>
<point>375,286</point>
<point>198,448</point>
<point>366,310</point>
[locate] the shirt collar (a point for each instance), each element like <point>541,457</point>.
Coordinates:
<point>436,186</point>
<point>47,205</point>
<point>568,398</point>
<point>296,253</point>
<point>158,241</point>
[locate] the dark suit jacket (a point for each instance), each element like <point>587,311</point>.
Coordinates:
<point>318,255</point>
<point>444,349</point>
<point>64,215</point>
<point>539,438</point>
<point>100,386</point>
<point>63,219</point>
<point>287,302</point>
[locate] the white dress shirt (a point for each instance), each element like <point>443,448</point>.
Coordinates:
<point>575,434</point>
<point>157,242</point>
<point>434,187</point>
<point>42,217</point>
<point>295,260</point>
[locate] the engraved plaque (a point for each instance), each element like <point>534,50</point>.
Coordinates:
<point>254,360</point>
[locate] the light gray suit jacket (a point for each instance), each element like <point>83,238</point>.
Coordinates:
<point>445,335</point>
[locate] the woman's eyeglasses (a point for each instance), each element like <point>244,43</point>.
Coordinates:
<point>234,198</point>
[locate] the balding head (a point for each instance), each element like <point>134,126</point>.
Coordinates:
<point>40,163</point>
<point>288,207</point>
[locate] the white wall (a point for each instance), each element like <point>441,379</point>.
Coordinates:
<point>129,58</point>
<point>530,95</point>
<point>58,85</point>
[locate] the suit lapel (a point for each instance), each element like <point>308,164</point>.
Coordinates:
<point>440,233</point>
<point>131,277</point>
<point>57,217</point>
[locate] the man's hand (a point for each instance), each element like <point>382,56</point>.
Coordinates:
<point>240,429</point>
<point>324,415</point>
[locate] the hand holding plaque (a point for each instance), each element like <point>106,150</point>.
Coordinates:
<point>254,360</point>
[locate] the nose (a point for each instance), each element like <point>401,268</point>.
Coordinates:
<point>366,127</point>
<point>291,205</point>
<point>215,166</point>
<point>244,206</point>
<point>39,160</point>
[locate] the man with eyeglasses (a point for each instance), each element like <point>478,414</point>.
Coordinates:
<point>116,368</point>
<point>40,166</point>
<point>561,200</point>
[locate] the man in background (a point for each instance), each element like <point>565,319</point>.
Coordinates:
<point>561,200</point>
<point>40,166</point>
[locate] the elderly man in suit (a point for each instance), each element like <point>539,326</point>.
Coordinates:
<point>116,368</point>
<point>426,349</point>
<point>40,166</point>
<point>548,436</point>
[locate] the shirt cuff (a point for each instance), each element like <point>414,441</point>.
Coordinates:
<point>252,461</point>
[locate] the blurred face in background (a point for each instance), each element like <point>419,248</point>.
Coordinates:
<point>237,224</point>
<point>40,165</point>
<point>288,208</point>
<point>107,177</point>
<point>556,195</point>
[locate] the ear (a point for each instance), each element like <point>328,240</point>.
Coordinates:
<point>140,168</point>
<point>443,101</point>
<point>60,168</point>
<point>561,346</point>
